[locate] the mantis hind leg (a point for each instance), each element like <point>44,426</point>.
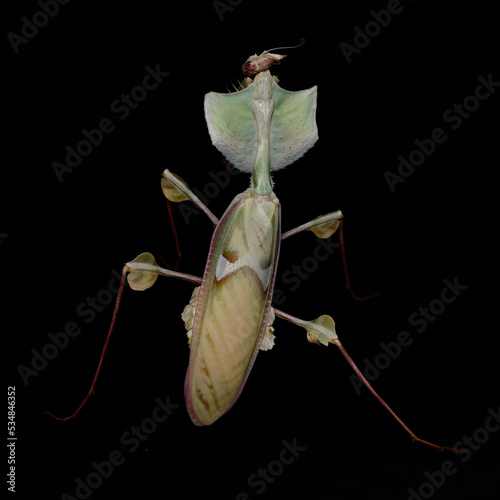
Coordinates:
<point>143,270</point>
<point>322,331</point>
<point>142,273</point>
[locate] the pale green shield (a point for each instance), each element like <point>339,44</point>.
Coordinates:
<point>232,126</point>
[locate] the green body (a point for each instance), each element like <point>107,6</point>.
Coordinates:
<point>258,129</point>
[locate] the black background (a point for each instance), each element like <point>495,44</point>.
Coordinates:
<point>65,238</point>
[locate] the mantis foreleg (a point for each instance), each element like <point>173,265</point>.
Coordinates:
<point>323,227</point>
<point>176,190</point>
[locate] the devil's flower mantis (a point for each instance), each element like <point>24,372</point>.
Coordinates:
<point>259,129</point>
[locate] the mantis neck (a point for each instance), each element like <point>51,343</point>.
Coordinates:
<point>262,108</point>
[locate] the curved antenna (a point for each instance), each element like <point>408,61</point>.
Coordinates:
<point>302,41</point>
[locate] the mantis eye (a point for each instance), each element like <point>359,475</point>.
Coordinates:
<point>249,68</point>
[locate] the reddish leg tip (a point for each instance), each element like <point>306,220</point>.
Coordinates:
<point>362,299</point>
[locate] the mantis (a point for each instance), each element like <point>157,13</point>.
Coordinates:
<point>260,128</point>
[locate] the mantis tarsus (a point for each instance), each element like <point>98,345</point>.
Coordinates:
<point>259,129</point>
